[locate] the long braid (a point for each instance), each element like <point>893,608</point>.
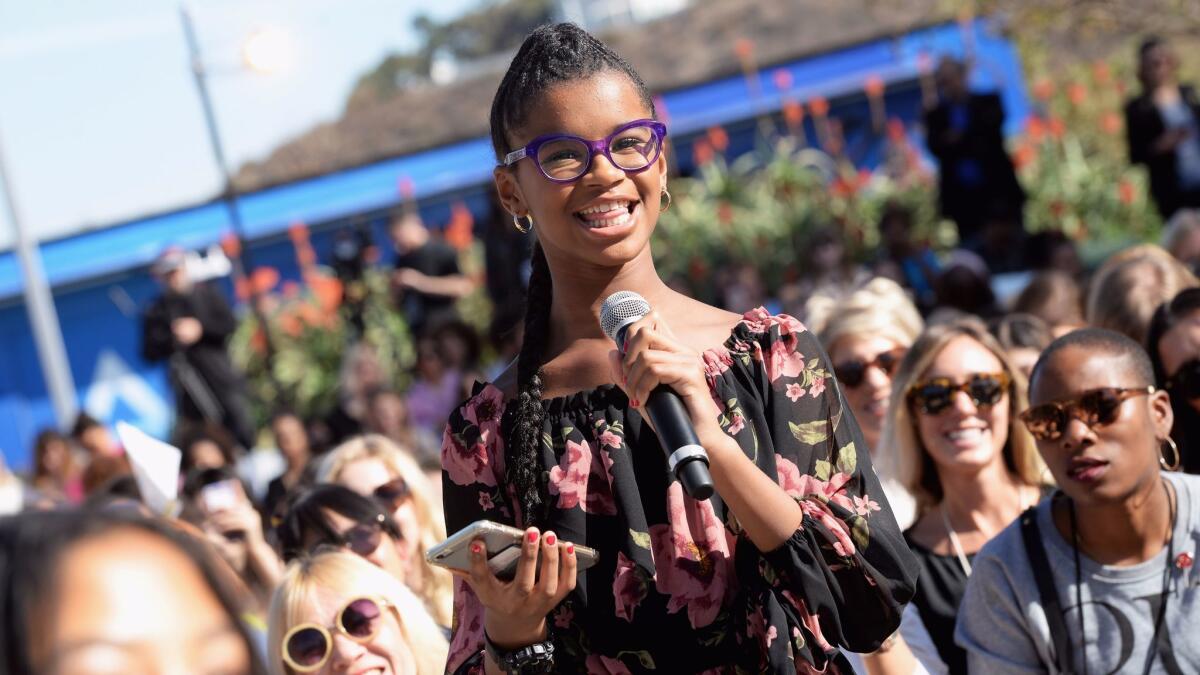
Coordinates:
<point>524,470</point>
<point>549,56</point>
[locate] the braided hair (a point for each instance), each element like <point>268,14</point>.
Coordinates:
<point>551,55</point>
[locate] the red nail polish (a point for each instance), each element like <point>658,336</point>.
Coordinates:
<point>532,537</point>
<point>551,540</point>
<point>570,549</point>
<point>476,548</point>
<point>635,403</point>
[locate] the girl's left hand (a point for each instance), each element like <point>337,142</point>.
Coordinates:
<point>653,357</point>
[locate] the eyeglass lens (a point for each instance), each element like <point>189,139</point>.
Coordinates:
<point>566,158</point>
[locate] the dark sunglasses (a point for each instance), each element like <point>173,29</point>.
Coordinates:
<point>1097,407</point>
<point>852,372</point>
<point>935,395</point>
<point>307,646</point>
<point>393,493</point>
<point>1185,383</point>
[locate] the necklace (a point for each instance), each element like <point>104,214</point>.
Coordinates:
<point>1164,594</point>
<point>956,544</point>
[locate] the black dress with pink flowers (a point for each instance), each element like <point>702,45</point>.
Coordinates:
<point>679,587</point>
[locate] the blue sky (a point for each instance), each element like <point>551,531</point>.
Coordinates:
<point>99,116</point>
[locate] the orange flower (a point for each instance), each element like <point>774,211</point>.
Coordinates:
<point>1043,89</point>
<point>1035,128</point>
<point>793,114</point>
<point>264,279</point>
<point>1076,93</point>
<point>724,212</point>
<point>1056,127</point>
<point>718,139</point>
<point>1024,156</point>
<point>291,290</point>
<point>459,230</point>
<point>702,152</point>
<point>326,290</point>
<point>1101,72</point>
<point>744,48</point>
<point>1111,123</point>
<point>231,244</point>
<point>1058,208</point>
<point>783,79</point>
<point>1125,191</point>
<point>896,131</point>
<point>819,106</point>
<point>874,86</point>
<point>298,232</point>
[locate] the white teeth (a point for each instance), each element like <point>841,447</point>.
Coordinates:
<point>964,434</point>
<point>604,208</point>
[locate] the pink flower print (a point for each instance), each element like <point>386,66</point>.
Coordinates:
<point>736,424</point>
<point>467,465</point>
<point>811,621</point>
<point>564,616</point>
<point>629,587</point>
<point>609,439</point>
<point>582,479</point>
<point>865,505</point>
<point>468,625</point>
<point>484,411</point>
<point>795,391</point>
<point>837,531</point>
<point>759,320</point>
<point>598,664</point>
<point>716,361</point>
<point>692,558</point>
<point>801,485</point>
<point>783,361</point>
<point>818,386</point>
<point>485,501</point>
<point>772,633</point>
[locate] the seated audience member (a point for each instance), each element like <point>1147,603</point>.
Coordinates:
<point>206,447</point>
<point>1052,250</point>
<point>435,390</point>
<point>1055,298</point>
<point>1023,337</point>
<point>387,415</point>
<point>1130,285</point>
<point>1182,238</point>
<point>217,503</point>
<point>904,260</point>
<point>95,592</point>
<point>94,437</point>
<point>335,613</point>
<point>866,331</point>
<point>332,515</point>
<point>461,348</point>
<point>958,447</point>
<point>360,374</point>
<point>965,286</point>
<point>56,475</point>
<point>291,437</point>
<point>1174,346</point>
<point>375,467</point>
<point>1100,578</point>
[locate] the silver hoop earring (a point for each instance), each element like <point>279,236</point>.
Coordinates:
<point>661,205</point>
<point>1162,460</point>
<point>523,227</point>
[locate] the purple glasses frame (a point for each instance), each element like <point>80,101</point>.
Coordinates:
<point>600,146</point>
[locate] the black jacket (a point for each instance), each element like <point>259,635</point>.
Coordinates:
<point>1143,126</point>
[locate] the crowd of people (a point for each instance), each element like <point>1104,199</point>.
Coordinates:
<point>919,470</point>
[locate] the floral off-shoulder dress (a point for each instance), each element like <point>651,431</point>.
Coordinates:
<point>679,587</point>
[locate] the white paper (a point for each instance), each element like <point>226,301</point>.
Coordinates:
<point>155,467</point>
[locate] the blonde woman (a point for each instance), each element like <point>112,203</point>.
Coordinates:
<point>372,465</point>
<point>958,446</point>
<point>335,612</point>
<point>1130,285</point>
<point>867,330</point>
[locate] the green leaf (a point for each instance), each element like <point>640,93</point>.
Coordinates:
<point>847,458</point>
<point>813,363</point>
<point>822,470</point>
<point>860,532</point>
<point>642,656</point>
<point>810,433</point>
<point>566,431</point>
<point>640,538</point>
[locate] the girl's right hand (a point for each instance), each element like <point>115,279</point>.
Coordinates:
<point>516,610</point>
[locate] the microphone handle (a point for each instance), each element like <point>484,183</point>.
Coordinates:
<point>686,458</point>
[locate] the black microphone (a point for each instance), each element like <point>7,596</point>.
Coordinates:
<point>685,456</point>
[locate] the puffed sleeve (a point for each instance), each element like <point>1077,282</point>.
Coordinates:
<point>472,471</point>
<point>846,573</point>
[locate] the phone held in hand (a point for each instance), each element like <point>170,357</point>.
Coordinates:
<point>219,496</point>
<point>503,545</point>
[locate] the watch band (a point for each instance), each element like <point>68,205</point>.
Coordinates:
<point>534,658</point>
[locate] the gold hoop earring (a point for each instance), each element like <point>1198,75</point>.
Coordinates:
<point>664,206</point>
<point>1162,460</point>
<point>525,227</point>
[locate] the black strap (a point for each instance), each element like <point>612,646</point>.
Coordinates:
<point>1045,582</point>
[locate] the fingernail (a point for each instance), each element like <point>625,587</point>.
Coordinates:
<point>570,549</point>
<point>476,548</point>
<point>551,539</point>
<point>531,536</point>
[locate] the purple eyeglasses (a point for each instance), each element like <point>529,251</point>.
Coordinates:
<point>565,159</point>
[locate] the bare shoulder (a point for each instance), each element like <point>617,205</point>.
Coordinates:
<point>705,326</point>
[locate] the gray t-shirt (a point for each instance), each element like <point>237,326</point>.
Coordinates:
<point>1003,627</point>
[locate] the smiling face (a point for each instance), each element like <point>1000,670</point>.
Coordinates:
<point>605,218</point>
<point>128,602</point>
<point>869,400</point>
<point>1102,463</point>
<point>964,437</point>
<point>387,653</point>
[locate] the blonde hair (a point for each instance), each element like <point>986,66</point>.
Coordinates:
<point>348,576</point>
<point>438,591</point>
<point>913,466</point>
<point>1130,285</point>
<point>1182,225</point>
<point>878,306</point>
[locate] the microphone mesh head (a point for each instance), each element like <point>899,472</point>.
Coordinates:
<point>619,309</point>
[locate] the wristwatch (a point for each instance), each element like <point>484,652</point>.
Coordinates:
<point>535,658</point>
